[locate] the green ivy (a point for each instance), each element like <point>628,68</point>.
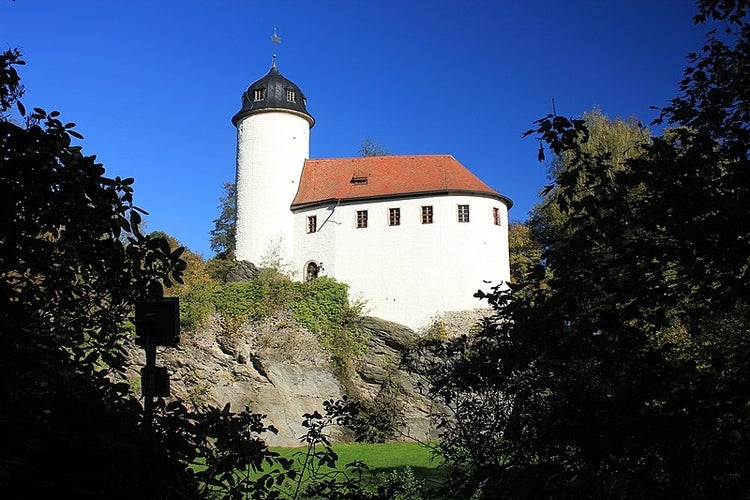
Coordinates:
<point>254,299</point>
<point>320,305</point>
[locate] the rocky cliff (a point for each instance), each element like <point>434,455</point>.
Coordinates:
<point>279,369</point>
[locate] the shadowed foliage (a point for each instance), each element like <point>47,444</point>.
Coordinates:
<point>624,370</point>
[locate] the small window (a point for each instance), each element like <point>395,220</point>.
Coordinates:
<point>258,95</point>
<point>496,215</point>
<point>291,96</point>
<point>463,213</point>
<point>358,179</point>
<point>361,218</point>
<point>394,216</point>
<point>312,223</point>
<point>427,214</point>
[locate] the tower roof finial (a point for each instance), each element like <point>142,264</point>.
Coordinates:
<point>275,39</point>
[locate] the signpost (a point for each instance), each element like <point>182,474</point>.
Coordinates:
<point>157,323</point>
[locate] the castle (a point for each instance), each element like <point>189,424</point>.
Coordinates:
<point>414,236</point>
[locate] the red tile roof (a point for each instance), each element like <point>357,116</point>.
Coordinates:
<point>386,177</point>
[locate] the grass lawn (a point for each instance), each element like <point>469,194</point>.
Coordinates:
<point>383,458</point>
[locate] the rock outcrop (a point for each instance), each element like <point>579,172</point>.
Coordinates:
<point>279,369</point>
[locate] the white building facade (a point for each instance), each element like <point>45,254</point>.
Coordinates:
<point>413,236</point>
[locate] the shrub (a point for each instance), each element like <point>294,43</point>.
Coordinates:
<point>219,268</point>
<point>378,420</point>
<point>402,485</point>
<point>436,331</point>
<point>320,303</point>
<point>252,299</point>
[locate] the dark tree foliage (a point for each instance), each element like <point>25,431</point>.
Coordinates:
<point>223,233</point>
<point>68,282</point>
<point>627,375</point>
<point>72,263</point>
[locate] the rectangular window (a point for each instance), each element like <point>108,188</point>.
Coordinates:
<point>290,96</point>
<point>312,223</point>
<point>361,218</point>
<point>427,214</point>
<point>463,213</point>
<point>394,216</point>
<point>258,94</point>
<point>496,215</point>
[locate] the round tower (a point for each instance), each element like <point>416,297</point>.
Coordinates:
<point>273,142</point>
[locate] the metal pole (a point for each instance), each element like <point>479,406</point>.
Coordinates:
<point>148,392</point>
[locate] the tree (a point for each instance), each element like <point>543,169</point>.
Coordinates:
<point>525,252</point>
<point>68,282</point>
<point>225,226</point>
<point>615,140</point>
<point>626,373</point>
<point>371,148</point>
<point>72,263</point>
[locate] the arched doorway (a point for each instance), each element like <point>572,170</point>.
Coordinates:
<point>311,271</point>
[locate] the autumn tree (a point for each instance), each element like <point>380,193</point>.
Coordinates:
<point>525,252</point>
<point>615,140</point>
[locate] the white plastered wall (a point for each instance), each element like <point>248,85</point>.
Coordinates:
<point>271,150</point>
<point>412,272</point>
<point>319,246</point>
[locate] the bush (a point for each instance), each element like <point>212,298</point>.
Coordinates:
<point>378,420</point>
<point>320,303</point>
<point>253,299</point>
<point>219,268</point>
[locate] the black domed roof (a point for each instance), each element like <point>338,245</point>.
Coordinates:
<point>273,92</point>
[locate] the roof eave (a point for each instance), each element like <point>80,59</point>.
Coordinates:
<point>418,194</point>
<point>247,112</point>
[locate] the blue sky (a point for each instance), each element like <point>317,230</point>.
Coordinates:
<point>153,85</point>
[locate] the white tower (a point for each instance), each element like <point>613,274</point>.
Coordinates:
<point>273,141</point>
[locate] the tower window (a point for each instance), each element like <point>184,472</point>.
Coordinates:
<point>361,218</point>
<point>496,215</point>
<point>258,95</point>
<point>427,214</point>
<point>291,96</point>
<point>394,216</point>
<point>463,213</point>
<point>312,223</point>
